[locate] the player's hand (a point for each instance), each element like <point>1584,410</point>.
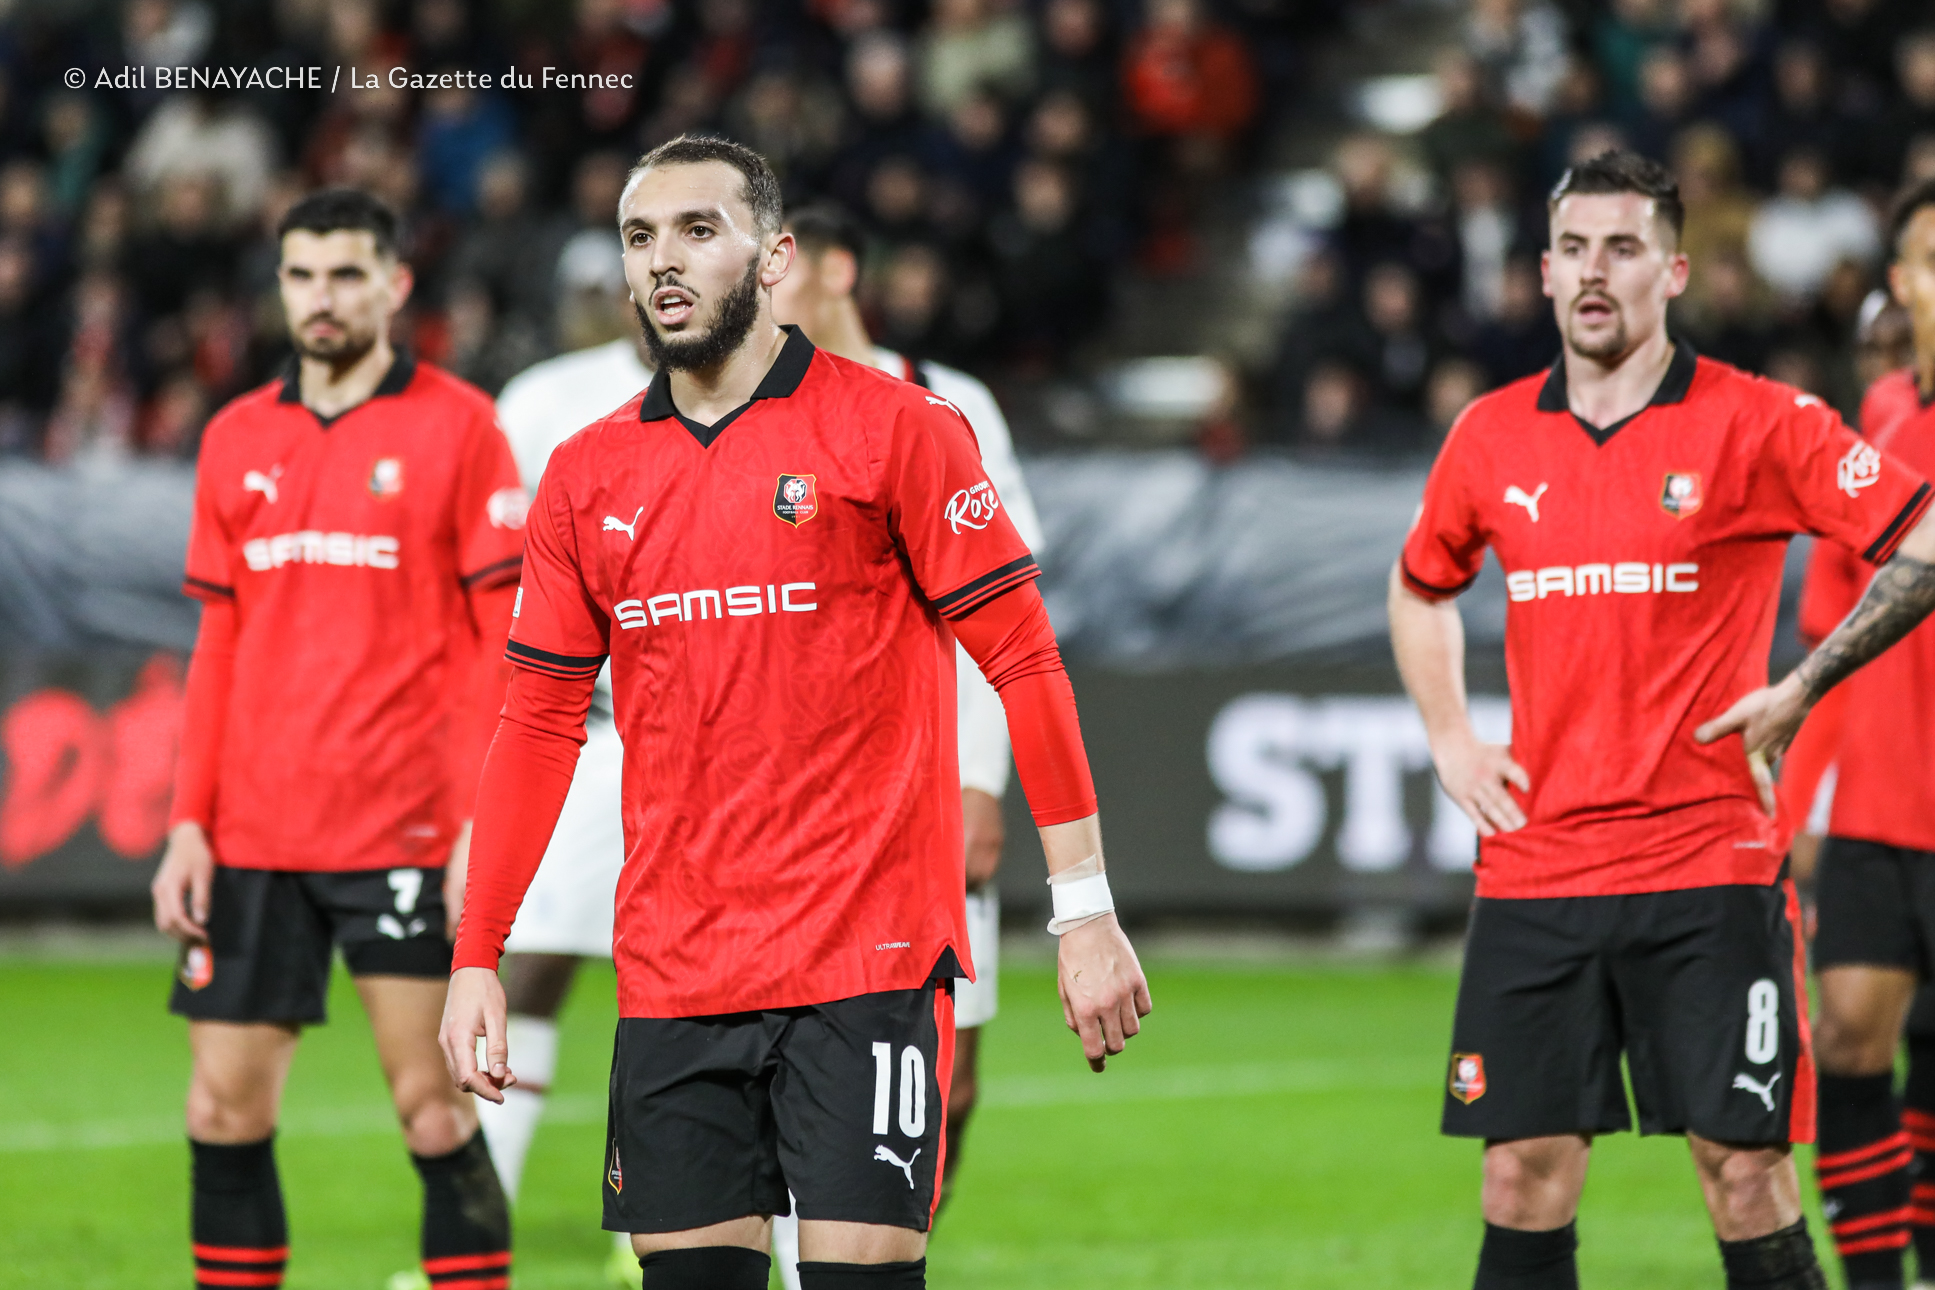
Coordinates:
<point>454,874</point>
<point>473,1008</point>
<point>181,885</point>
<point>1767,721</point>
<point>1474,775</point>
<point>985,834</point>
<point>1104,994</point>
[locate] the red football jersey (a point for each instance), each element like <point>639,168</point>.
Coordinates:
<point>1643,566</point>
<point>349,548</point>
<point>771,591</point>
<point>1885,783</point>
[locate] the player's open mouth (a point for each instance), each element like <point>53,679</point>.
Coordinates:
<point>672,306</point>
<point>1595,309</point>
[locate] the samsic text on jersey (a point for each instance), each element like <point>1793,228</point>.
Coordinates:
<point>1885,778</point>
<point>348,548</point>
<point>1642,566</point>
<point>771,591</point>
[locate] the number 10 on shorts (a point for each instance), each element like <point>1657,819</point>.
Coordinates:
<point>913,1089</point>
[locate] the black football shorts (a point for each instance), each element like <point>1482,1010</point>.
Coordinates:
<point>270,934</point>
<point>1697,989</point>
<point>1876,906</point>
<point>845,1103</point>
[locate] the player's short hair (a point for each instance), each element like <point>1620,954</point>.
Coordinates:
<point>1908,201</point>
<point>1620,170</point>
<point>825,226</point>
<point>335,210</point>
<point>761,190</point>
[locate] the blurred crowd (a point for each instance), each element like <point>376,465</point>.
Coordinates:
<point>1790,124</point>
<point>1011,159</point>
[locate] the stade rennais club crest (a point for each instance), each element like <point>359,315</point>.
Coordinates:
<point>795,500</point>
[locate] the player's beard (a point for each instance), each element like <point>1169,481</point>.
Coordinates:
<point>340,351</point>
<point>738,311</point>
<point>1609,345</point>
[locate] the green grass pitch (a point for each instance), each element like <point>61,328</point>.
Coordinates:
<point>1275,1126</point>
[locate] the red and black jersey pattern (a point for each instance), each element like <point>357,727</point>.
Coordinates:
<point>964,600</point>
<point>228,1266</point>
<point>564,666</point>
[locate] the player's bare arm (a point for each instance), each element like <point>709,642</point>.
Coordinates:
<point>1901,595</point>
<point>1429,641</point>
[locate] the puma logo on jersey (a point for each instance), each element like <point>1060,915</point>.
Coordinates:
<point>935,398</point>
<point>257,482</point>
<point>1765,1092</point>
<point>615,525</point>
<point>1628,578</point>
<point>907,1166</point>
<point>1516,496</point>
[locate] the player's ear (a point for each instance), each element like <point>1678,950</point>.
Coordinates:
<point>402,282</point>
<point>780,252</point>
<point>839,271</point>
<point>1679,271</point>
<point>1545,273</point>
<point>1898,283</point>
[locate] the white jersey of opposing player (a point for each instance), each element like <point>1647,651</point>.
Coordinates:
<point>568,909</point>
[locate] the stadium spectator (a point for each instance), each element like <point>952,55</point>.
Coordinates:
<point>1912,114</point>
<point>75,137</point>
<point>1719,209</point>
<point>1051,286</point>
<point>1490,229</point>
<point>1803,232</point>
<point>1186,77</point>
<point>1727,318</point>
<point>1522,338</point>
<point>191,134</point>
<point>1802,112</point>
<point>1522,48</point>
<point>1404,343</point>
<point>462,129</point>
<point>1469,128</point>
<point>1454,383</point>
<point>1075,53</point>
<point>1622,36</point>
<point>973,45</point>
<point>1666,101</point>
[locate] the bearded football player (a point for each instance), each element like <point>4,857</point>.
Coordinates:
<point>1632,895</point>
<point>791,914</point>
<point>355,546</point>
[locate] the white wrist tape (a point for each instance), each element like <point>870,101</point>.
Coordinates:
<point>1081,895</point>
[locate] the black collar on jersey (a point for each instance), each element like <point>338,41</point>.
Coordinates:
<point>394,381</point>
<point>1672,389</point>
<point>781,379</point>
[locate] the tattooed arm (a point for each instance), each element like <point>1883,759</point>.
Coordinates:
<point>1901,595</point>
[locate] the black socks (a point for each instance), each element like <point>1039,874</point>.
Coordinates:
<point>237,1221</point>
<point>1511,1259</point>
<point>864,1276</point>
<point>1782,1260</point>
<point>707,1267</point>
<point>1863,1171</point>
<point>466,1224</point>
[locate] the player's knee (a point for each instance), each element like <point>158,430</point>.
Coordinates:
<point>436,1117</point>
<point>1740,1180</point>
<point>1845,1045</point>
<point>1530,1185</point>
<point>706,1267</point>
<point>222,1112</point>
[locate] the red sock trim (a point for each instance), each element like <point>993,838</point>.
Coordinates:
<point>1868,1222</point>
<point>212,1277</point>
<point>1897,1240</point>
<point>1848,1177</point>
<point>500,1282</point>
<point>466,1262</point>
<point>242,1254</point>
<point>1841,1159</point>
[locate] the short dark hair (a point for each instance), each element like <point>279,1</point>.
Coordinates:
<point>762,185</point>
<point>334,210</point>
<point>823,226</point>
<point>1620,170</point>
<point>1907,202</point>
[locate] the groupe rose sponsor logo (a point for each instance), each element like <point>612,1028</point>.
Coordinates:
<point>973,507</point>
